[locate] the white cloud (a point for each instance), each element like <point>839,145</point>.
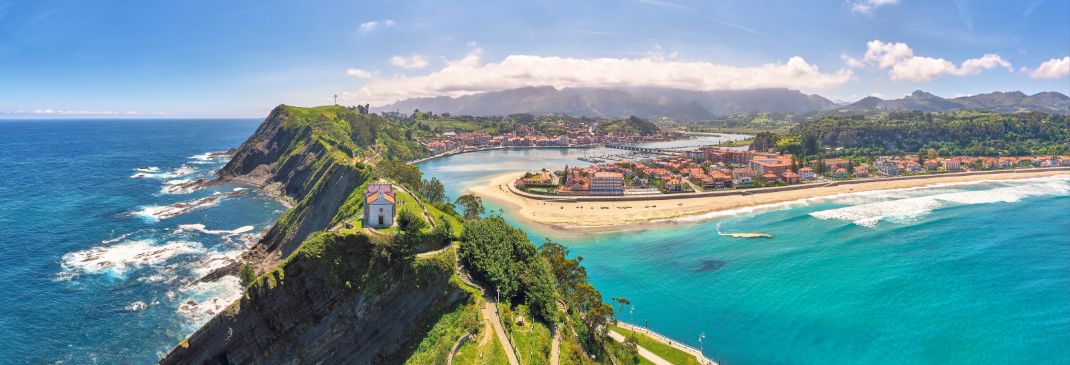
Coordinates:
<point>852,62</point>
<point>368,27</point>
<point>470,75</point>
<point>904,65</point>
<point>1050,69</point>
<point>867,6</point>
<point>360,74</point>
<point>414,61</point>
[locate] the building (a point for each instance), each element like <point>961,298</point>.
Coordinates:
<point>952,164</point>
<point>887,167</point>
<point>607,183</point>
<point>790,177</point>
<point>840,173</point>
<point>379,205</point>
<point>806,173</point>
<point>742,177</point>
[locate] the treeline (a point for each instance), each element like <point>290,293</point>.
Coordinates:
<point>950,133</point>
<point>543,277</point>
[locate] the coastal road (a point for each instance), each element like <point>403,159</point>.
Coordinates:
<point>654,358</point>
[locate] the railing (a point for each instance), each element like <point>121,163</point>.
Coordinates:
<point>671,342</point>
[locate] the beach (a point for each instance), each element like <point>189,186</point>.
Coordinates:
<point>637,213</point>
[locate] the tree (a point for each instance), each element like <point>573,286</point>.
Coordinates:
<point>621,303</point>
<point>433,190</point>
<point>472,205</point>
<point>403,173</point>
<point>504,257</point>
<point>247,274</point>
<point>409,221</point>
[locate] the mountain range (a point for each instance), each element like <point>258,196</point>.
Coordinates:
<point>687,105</point>
<point>1048,101</point>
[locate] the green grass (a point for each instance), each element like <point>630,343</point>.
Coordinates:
<point>436,344</point>
<point>666,352</point>
<point>455,223</point>
<point>490,353</point>
<point>532,340</point>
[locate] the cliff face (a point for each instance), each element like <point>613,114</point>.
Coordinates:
<point>340,299</point>
<point>289,159</point>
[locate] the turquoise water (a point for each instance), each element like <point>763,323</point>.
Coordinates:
<point>957,274</point>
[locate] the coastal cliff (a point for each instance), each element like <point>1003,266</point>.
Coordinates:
<point>340,298</point>
<point>304,160</point>
<point>322,297</point>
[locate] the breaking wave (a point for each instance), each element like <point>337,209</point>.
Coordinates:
<point>203,300</point>
<point>897,208</point>
<point>119,258</point>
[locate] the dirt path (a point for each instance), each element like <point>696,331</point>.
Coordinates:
<point>489,311</point>
<point>555,348</point>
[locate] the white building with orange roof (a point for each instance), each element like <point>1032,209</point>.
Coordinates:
<point>379,205</point>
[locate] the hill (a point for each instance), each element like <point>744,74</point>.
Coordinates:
<point>1048,102</point>
<point>650,103</point>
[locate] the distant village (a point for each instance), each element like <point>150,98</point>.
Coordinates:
<point>714,168</point>
<point>526,136</point>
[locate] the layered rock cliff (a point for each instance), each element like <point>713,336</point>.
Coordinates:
<point>292,158</point>
<point>339,299</point>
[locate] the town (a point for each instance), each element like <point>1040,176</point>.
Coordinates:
<point>712,168</point>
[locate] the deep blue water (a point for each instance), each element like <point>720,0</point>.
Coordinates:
<point>86,278</point>
<point>961,274</point>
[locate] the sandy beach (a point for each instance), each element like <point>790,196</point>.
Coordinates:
<point>633,214</point>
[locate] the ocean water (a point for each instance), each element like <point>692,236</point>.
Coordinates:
<point>952,274</point>
<point>90,273</point>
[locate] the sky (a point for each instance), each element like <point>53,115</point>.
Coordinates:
<point>194,58</point>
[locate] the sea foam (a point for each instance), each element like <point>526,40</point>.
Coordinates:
<point>894,207</point>
<point>119,258</point>
<point>203,300</point>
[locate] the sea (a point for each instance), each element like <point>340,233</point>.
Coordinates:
<point>949,274</point>
<point>91,272</point>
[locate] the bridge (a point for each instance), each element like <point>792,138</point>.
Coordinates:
<point>660,151</point>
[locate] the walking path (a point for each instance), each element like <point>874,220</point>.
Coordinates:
<point>654,358</point>
<point>490,313</point>
<point>668,341</point>
<point>555,347</point>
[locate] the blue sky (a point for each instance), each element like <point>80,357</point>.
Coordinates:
<point>241,58</point>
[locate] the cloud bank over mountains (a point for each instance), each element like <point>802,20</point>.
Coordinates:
<point>471,75</point>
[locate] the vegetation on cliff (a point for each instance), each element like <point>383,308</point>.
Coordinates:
<point>974,133</point>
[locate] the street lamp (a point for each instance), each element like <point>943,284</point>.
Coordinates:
<point>700,337</point>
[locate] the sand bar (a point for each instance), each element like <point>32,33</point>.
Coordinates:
<point>634,214</point>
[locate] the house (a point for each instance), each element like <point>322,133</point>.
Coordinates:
<point>861,170</point>
<point>791,177</point>
<point>379,205</point>
<point>836,163</point>
<point>887,167</point>
<point>607,183</point>
<point>674,183</point>
<point>742,177</point>
<point>951,164</point>
<point>806,173</point>
<point>540,178</point>
<point>840,173</point>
